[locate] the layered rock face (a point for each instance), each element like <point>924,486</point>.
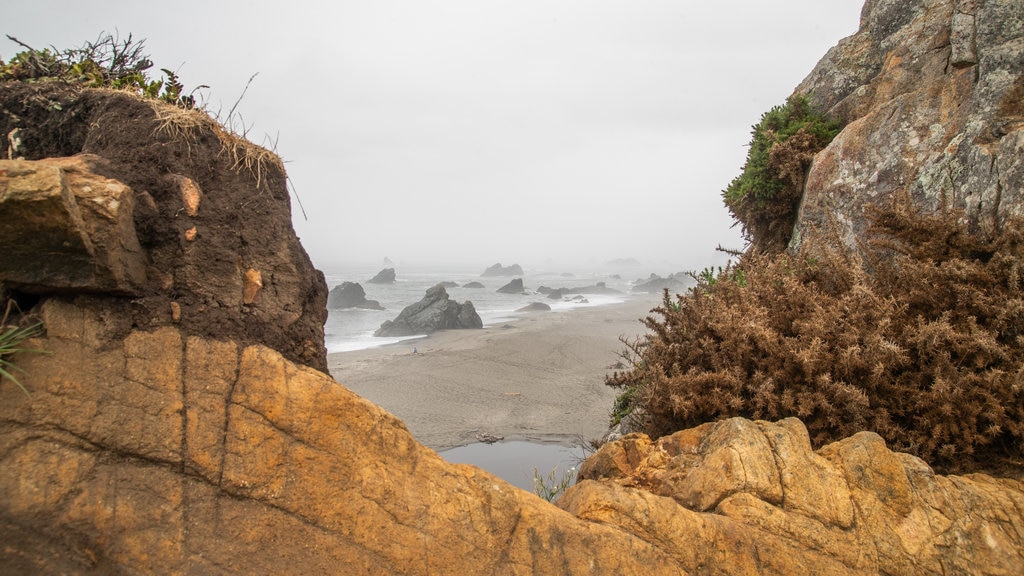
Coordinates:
<point>159,210</point>
<point>933,91</point>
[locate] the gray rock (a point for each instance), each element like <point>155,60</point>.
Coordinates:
<point>350,295</point>
<point>535,307</point>
<point>473,285</point>
<point>385,276</point>
<point>513,287</point>
<point>499,270</point>
<point>436,311</point>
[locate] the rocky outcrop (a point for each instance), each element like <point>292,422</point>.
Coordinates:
<point>535,307</point>
<point>933,93</point>
<point>742,497</point>
<point>182,222</point>
<point>436,311</point>
<point>499,270</point>
<point>654,284</point>
<point>474,285</point>
<point>513,287</point>
<point>164,453</point>
<point>559,293</point>
<point>350,295</point>
<point>385,276</point>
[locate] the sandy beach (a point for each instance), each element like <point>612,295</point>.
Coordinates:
<point>538,378</point>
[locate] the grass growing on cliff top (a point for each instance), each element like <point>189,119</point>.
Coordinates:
<point>921,341</point>
<point>764,198</point>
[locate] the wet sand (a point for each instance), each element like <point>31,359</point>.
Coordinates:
<point>538,378</point>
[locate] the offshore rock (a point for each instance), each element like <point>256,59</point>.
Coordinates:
<point>385,276</point>
<point>499,270</point>
<point>513,287</point>
<point>742,497</point>
<point>436,311</point>
<point>933,94</point>
<point>350,295</point>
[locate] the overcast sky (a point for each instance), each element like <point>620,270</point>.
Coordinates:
<point>544,132</point>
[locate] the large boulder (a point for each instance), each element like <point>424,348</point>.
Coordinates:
<point>385,276</point>
<point>757,499</point>
<point>436,311</point>
<point>499,270</point>
<point>186,223</point>
<point>350,295</point>
<point>932,93</point>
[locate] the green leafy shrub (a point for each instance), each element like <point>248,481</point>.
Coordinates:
<point>927,350</point>
<point>106,62</point>
<point>764,198</point>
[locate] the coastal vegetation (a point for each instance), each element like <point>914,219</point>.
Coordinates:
<point>918,336</point>
<point>107,62</point>
<point>765,197</point>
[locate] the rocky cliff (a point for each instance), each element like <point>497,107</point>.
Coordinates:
<point>181,423</point>
<point>933,94</point>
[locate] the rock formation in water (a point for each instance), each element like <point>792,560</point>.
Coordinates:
<point>499,270</point>
<point>436,311</point>
<point>385,276</point>
<point>513,287</point>
<point>350,295</point>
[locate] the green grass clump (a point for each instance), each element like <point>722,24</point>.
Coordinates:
<point>764,198</point>
<point>11,340</point>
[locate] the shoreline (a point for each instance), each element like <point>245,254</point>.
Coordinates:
<point>539,378</point>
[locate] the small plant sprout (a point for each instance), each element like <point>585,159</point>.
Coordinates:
<point>552,486</point>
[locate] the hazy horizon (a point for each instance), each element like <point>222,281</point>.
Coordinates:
<point>561,134</point>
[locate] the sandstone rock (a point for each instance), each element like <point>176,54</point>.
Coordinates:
<point>67,229</point>
<point>931,90</point>
<point>757,499</point>
<point>499,270</point>
<point>252,283</point>
<point>350,295</point>
<point>169,454</point>
<point>513,287</point>
<point>436,311</point>
<point>385,276</point>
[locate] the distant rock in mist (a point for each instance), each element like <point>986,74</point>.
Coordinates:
<point>499,270</point>
<point>473,285</point>
<point>385,276</point>
<point>535,307</point>
<point>350,295</point>
<point>674,282</point>
<point>624,263</point>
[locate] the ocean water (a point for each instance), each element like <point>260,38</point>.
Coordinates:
<point>352,329</point>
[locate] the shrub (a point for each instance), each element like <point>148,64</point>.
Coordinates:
<point>765,197</point>
<point>106,62</point>
<point>927,350</point>
<point>11,340</point>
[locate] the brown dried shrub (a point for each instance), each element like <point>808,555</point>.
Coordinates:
<point>927,349</point>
